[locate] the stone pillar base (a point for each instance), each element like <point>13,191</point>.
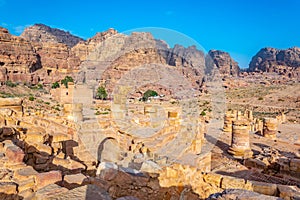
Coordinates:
<point>240,153</point>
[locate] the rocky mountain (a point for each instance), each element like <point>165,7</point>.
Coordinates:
<point>84,48</point>
<point>43,33</point>
<point>18,58</point>
<point>224,62</point>
<point>284,62</point>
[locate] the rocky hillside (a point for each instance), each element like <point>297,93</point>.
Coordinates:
<point>18,58</point>
<point>224,62</point>
<point>43,33</point>
<point>284,62</point>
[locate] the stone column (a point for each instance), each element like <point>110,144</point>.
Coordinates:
<point>270,127</point>
<point>228,119</point>
<point>73,111</point>
<point>240,142</point>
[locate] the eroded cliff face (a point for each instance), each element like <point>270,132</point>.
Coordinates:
<point>18,58</point>
<point>84,48</point>
<point>283,62</point>
<point>224,62</point>
<point>43,33</point>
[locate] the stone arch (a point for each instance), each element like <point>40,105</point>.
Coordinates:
<point>108,150</point>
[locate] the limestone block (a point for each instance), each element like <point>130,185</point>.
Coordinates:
<point>25,173</point>
<point>47,178</point>
<point>34,137</point>
<point>255,163</point>
<point>68,164</point>
<point>264,188</point>
<point>74,180</point>
<point>51,190</point>
<point>8,187</point>
<point>213,179</point>
<point>295,165</point>
<point>288,192</point>
<point>28,184</point>
<point>39,147</point>
<point>40,159</point>
<point>59,137</point>
<point>232,183</point>
<point>26,194</point>
<point>14,154</point>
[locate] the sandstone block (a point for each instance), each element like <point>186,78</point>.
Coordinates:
<point>295,165</point>
<point>264,188</point>
<point>232,183</point>
<point>47,178</point>
<point>213,179</point>
<point>14,154</point>
<point>51,190</point>
<point>35,137</point>
<point>24,185</point>
<point>289,192</point>
<point>8,187</point>
<point>74,180</point>
<point>25,173</point>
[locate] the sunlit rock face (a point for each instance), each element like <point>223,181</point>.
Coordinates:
<point>43,33</point>
<point>227,65</point>
<point>284,62</point>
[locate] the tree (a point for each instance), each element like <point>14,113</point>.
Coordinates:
<point>149,93</point>
<point>55,85</point>
<point>66,80</point>
<point>101,93</point>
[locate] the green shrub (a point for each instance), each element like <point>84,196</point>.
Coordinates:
<point>203,113</point>
<point>149,93</point>
<point>55,85</point>
<point>31,98</point>
<point>101,93</point>
<point>10,84</point>
<point>66,80</point>
<point>40,86</point>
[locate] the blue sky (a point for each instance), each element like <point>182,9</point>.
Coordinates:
<point>240,27</point>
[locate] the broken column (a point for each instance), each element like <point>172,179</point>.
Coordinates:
<point>240,142</point>
<point>73,111</point>
<point>270,127</point>
<point>228,119</point>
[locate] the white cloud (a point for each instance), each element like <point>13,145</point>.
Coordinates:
<point>20,29</point>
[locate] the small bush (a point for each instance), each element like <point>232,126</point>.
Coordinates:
<point>98,112</point>
<point>280,99</point>
<point>31,98</point>
<point>40,86</point>
<point>260,98</point>
<point>149,93</point>
<point>10,84</point>
<point>101,93</point>
<point>55,85</point>
<point>66,80</point>
<point>203,113</point>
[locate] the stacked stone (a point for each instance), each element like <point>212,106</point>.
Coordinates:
<point>240,143</point>
<point>228,119</point>
<point>73,111</point>
<point>270,127</point>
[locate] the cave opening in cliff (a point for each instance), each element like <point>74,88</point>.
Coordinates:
<point>49,72</point>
